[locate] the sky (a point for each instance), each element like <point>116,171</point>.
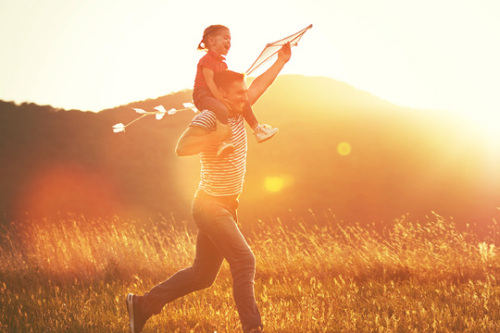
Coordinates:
<point>97,54</point>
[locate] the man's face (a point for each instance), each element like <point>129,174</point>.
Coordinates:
<point>236,96</point>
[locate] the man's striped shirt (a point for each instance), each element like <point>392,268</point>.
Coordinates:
<point>223,175</point>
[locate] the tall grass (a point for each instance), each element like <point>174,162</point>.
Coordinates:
<point>71,275</point>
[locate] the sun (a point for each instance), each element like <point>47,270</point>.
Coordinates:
<point>488,128</point>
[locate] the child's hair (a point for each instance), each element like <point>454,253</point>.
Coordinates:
<point>211,30</point>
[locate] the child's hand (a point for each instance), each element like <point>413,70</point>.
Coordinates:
<point>285,53</point>
<point>222,131</point>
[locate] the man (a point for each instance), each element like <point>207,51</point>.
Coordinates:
<point>214,205</point>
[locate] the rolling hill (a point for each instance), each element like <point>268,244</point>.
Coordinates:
<point>340,151</point>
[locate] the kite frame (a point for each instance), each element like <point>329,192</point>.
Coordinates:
<point>294,42</point>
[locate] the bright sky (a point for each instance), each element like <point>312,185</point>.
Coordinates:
<point>96,54</point>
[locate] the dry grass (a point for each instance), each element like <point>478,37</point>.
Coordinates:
<point>72,275</point>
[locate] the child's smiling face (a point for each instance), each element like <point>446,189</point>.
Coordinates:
<point>220,42</point>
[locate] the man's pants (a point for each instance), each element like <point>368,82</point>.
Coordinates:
<point>218,238</point>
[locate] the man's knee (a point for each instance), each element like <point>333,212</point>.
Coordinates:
<point>250,260</point>
<point>245,264</point>
<point>204,280</point>
<point>205,283</point>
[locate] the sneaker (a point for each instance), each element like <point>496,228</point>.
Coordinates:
<point>225,148</point>
<point>136,317</point>
<point>264,132</point>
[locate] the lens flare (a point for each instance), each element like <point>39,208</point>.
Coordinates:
<point>67,189</point>
<point>274,184</point>
<point>344,149</point>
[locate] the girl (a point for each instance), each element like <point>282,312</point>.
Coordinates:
<point>217,42</point>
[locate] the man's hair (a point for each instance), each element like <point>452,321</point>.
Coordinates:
<point>225,78</point>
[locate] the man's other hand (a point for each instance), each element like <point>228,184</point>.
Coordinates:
<point>222,131</point>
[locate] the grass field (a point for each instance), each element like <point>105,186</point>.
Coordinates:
<point>71,275</point>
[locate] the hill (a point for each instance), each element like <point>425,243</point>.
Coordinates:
<point>339,149</point>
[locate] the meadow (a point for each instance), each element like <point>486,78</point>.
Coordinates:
<point>314,274</point>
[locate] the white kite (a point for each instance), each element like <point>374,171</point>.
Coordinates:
<point>267,54</point>
<point>273,48</point>
<point>159,113</point>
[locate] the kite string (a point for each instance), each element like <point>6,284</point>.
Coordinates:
<point>142,116</point>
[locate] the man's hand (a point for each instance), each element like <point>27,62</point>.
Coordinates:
<point>195,139</point>
<point>263,81</point>
<point>285,53</point>
<point>222,131</point>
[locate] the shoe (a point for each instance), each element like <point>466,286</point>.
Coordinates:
<point>264,132</point>
<point>225,149</point>
<point>136,317</point>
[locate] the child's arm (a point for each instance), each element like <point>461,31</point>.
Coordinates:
<point>209,79</point>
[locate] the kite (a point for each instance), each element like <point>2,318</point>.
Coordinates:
<point>159,113</point>
<point>273,48</point>
<point>267,54</point>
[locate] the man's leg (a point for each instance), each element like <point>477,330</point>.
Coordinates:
<point>218,222</point>
<point>242,265</point>
<point>200,275</point>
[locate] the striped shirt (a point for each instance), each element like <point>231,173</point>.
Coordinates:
<point>222,176</point>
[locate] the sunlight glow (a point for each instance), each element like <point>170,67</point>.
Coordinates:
<point>274,184</point>
<point>55,188</point>
<point>344,149</point>
<point>92,55</point>
<point>488,127</point>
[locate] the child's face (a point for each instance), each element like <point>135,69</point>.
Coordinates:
<point>221,42</point>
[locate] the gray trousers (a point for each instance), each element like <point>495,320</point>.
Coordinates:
<point>218,238</point>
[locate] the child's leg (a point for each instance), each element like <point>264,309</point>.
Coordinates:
<point>208,102</point>
<point>250,116</point>
<point>220,110</point>
<point>203,100</point>
<point>262,132</point>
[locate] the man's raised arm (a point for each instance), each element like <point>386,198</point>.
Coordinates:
<point>263,81</point>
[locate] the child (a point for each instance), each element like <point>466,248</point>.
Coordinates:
<point>217,42</point>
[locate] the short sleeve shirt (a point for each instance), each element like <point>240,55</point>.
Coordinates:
<point>222,176</point>
<point>211,60</point>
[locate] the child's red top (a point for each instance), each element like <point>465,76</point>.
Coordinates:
<point>211,60</point>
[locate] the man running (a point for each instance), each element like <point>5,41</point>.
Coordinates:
<point>214,205</point>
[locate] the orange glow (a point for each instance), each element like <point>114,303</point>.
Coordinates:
<point>67,189</point>
<point>344,148</point>
<point>274,184</point>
